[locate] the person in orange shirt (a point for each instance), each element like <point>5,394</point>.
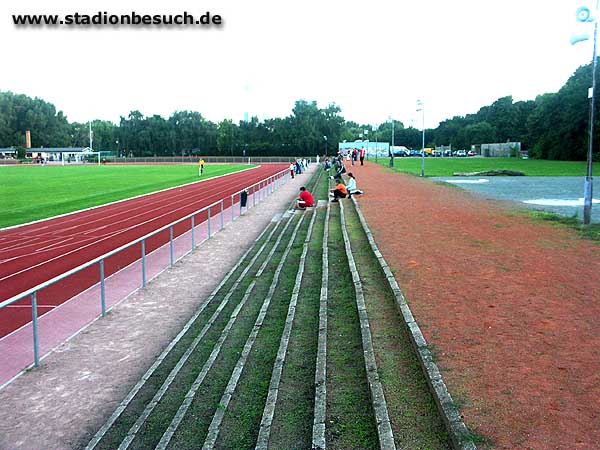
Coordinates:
<point>339,191</point>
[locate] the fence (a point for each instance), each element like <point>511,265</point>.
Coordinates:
<point>194,159</point>
<point>109,279</point>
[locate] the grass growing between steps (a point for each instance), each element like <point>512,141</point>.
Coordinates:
<point>413,413</point>
<point>192,430</point>
<point>293,420</point>
<point>120,428</point>
<point>350,422</point>
<point>241,423</point>
<point>152,430</point>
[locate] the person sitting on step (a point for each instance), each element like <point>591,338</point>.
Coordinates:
<point>351,185</point>
<point>305,199</point>
<point>339,191</point>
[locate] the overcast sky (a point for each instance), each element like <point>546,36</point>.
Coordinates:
<point>373,58</point>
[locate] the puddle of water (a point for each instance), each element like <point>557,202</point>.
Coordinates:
<point>561,195</point>
<point>479,181</point>
<point>558,202</point>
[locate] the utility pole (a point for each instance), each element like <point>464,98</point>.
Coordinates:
<point>91,137</point>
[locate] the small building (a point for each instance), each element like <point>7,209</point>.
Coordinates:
<point>504,149</point>
<point>8,153</point>
<point>372,148</point>
<point>62,154</point>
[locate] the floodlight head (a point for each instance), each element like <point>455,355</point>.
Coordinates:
<point>575,38</point>
<point>583,14</point>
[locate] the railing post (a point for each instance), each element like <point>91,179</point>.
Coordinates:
<point>34,320</point>
<point>143,263</point>
<point>222,214</point>
<point>171,245</point>
<point>102,289</point>
<point>193,234</point>
<point>209,222</point>
<point>232,212</point>
<point>254,195</point>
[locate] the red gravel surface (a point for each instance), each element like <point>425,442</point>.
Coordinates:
<point>511,307</point>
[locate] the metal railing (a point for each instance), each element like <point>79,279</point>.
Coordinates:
<point>194,159</point>
<point>258,191</point>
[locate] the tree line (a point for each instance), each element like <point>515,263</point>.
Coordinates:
<point>553,126</point>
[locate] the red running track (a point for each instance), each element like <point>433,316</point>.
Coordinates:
<point>32,254</point>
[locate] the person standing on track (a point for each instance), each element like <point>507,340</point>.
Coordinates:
<point>200,167</point>
<point>292,169</point>
<point>361,155</point>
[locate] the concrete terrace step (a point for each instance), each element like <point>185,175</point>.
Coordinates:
<point>221,296</point>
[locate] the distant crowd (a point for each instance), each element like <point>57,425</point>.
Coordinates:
<point>344,188</point>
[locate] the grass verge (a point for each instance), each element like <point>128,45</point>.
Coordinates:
<point>590,232</point>
<point>445,167</point>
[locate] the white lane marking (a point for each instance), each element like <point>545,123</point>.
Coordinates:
<point>29,306</point>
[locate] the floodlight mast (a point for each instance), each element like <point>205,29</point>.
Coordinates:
<point>588,184</point>
<point>583,14</point>
<point>421,107</point>
<point>91,137</point>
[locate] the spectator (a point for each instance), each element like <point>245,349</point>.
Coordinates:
<point>339,191</point>
<point>361,155</point>
<point>351,185</point>
<point>292,169</point>
<point>340,169</point>
<point>305,199</point>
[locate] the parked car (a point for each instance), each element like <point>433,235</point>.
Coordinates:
<point>447,152</point>
<point>461,153</point>
<point>472,153</point>
<point>436,153</point>
<point>401,153</point>
<point>415,153</point>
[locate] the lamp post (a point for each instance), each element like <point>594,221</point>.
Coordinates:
<point>588,184</point>
<point>376,141</point>
<point>583,14</point>
<point>91,137</point>
<point>392,149</point>
<point>421,107</point>
<point>325,138</point>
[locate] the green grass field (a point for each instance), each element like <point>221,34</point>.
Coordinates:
<point>37,192</point>
<point>445,167</point>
